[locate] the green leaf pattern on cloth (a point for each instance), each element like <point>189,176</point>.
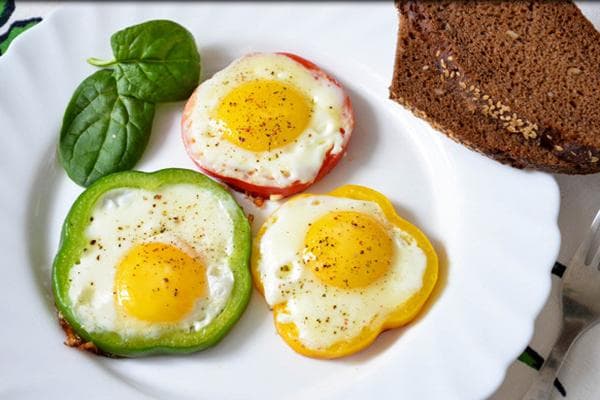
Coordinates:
<point>16,28</point>
<point>6,9</point>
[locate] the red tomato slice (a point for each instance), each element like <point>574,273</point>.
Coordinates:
<point>329,161</point>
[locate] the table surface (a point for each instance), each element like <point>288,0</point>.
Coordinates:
<point>580,199</point>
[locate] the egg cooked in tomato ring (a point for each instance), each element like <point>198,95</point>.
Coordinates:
<point>268,124</point>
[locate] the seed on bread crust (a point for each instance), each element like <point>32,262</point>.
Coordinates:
<point>512,34</point>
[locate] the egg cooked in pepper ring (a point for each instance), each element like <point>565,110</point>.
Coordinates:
<point>338,269</point>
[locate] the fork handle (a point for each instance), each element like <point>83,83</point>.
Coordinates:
<point>542,387</point>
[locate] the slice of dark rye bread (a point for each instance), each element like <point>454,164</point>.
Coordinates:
<point>516,81</point>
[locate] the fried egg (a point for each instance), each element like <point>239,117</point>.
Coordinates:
<point>338,269</point>
<point>268,124</point>
<point>154,261</point>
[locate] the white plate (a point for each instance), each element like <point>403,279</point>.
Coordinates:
<point>493,226</point>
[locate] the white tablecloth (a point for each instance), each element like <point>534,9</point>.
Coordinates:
<point>580,199</point>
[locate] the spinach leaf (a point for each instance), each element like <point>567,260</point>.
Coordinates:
<point>155,61</point>
<point>103,130</point>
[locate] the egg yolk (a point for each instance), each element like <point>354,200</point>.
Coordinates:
<point>158,282</point>
<point>348,249</point>
<point>262,115</point>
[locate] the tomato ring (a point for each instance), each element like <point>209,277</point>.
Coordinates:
<point>330,160</point>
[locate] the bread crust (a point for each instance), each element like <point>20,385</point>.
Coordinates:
<point>436,78</point>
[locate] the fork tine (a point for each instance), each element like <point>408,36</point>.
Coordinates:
<point>581,255</point>
<point>580,298</point>
<point>596,251</point>
<point>596,260</point>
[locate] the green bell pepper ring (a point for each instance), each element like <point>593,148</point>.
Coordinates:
<point>174,340</point>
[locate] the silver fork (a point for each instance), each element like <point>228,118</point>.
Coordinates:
<point>580,308</point>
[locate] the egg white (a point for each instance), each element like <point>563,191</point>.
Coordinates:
<point>124,218</point>
<point>281,167</point>
<point>326,314</point>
